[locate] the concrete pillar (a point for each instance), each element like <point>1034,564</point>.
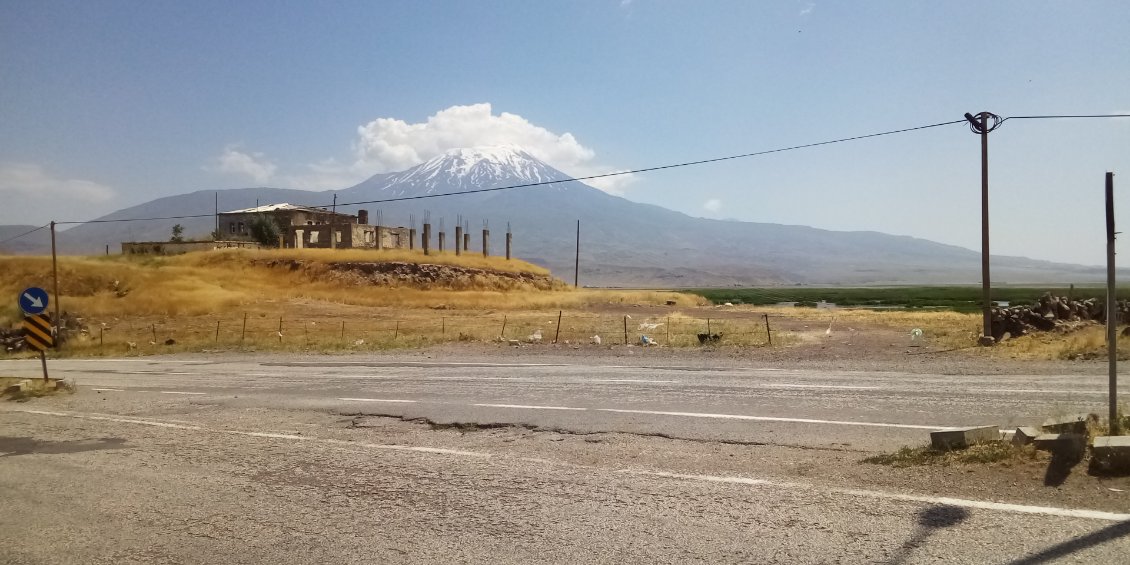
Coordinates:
<point>486,242</point>
<point>458,240</point>
<point>466,242</point>
<point>411,238</point>
<point>426,238</point>
<point>509,244</point>
<point>442,241</point>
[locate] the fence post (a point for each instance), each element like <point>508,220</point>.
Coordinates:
<point>217,330</point>
<point>243,334</point>
<point>503,334</point>
<point>708,326</point>
<point>280,317</point>
<point>154,328</point>
<point>668,330</point>
<point>768,334</point>
<point>557,334</point>
<point>625,329</point>
<point>343,329</point>
<point>101,336</point>
<point>443,325</point>
<point>396,331</point>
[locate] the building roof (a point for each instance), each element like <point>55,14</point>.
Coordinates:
<point>283,207</point>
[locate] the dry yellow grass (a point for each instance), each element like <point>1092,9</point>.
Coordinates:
<point>214,282</point>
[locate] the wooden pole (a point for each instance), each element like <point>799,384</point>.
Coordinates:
<point>281,325</point>
<point>625,330</point>
<point>557,334</point>
<point>43,360</point>
<point>101,337</point>
<point>442,325</point>
<point>243,334</point>
<point>153,327</point>
<point>668,330</point>
<point>343,329</point>
<point>396,331</point>
<point>55,290</point>
<point>1111,308</point>
<point>768,334</point>
<point>577,259</point>
<point>503,334</point>
<point>217,330</point>
<point>986,306</point>
<point>708,326</point>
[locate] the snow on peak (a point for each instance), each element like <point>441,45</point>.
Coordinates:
<point>481,166</point>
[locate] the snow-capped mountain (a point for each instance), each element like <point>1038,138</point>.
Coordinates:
<point>623,243</point>
<point>460,170</point>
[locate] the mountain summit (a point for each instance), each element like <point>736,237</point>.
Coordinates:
<point>460,170</point>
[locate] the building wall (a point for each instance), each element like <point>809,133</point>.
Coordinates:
<point>360,236</point>
<point>238,226</point>
<point>175,248</point>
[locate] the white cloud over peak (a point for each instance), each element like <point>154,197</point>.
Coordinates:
<point>28,186</point>
<point>712,205</point>
<point>235,161</point>
<point>391,144</point>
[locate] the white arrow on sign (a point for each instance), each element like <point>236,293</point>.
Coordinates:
<point>34,300</point>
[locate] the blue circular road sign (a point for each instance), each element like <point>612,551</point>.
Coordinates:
<point>33,300</point>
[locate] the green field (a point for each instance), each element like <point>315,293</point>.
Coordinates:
<point>957,298</point>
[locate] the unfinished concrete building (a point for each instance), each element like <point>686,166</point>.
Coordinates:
<point>309,227</point>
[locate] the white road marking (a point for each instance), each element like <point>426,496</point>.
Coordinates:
<point>962,502</point>
<point>629,381</point>
<point>379,400</point>
<point>846,387</point>
<point>109,389</point>
<point>529,407</point>
<point>771,419</point>
<point>1038,391</point>
<point>707,478</point>
<point>747,481</point>
<point>179,392</point>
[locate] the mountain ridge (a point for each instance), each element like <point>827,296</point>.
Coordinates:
<point>623,243</point>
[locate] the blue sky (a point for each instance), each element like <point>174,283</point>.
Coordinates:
<point>104,104</point>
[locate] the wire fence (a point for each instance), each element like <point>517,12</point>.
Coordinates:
<point>265,331</point>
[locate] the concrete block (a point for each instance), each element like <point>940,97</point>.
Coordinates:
<point>1071,424</point>
<point>1025,435</point>
<point>1112,453</point>
<point>963,437</point>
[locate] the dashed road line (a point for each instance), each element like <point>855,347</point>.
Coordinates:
<point>530,407</point>
<point>182,392</point>
<point>770,419</point>
<point>394,400</point>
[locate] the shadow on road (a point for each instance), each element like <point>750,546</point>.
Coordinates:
<point>930,519</point>
<point>1068,547</point>
<point>12,446</point>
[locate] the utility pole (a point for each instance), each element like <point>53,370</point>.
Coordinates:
<point>215,234</point>
<point>577,259</point>
<point>333,224</point>
<point>1111,308</point>
<point>980,125</point>
<point>55,285</point>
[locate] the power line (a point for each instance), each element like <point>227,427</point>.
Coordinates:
<point>658,168</point>
<point>29,232</point>
<point>138,219</point>
<point>1065,116</point>
<point>617,173</point>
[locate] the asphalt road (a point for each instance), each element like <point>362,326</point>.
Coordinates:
<point>393,459</point>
